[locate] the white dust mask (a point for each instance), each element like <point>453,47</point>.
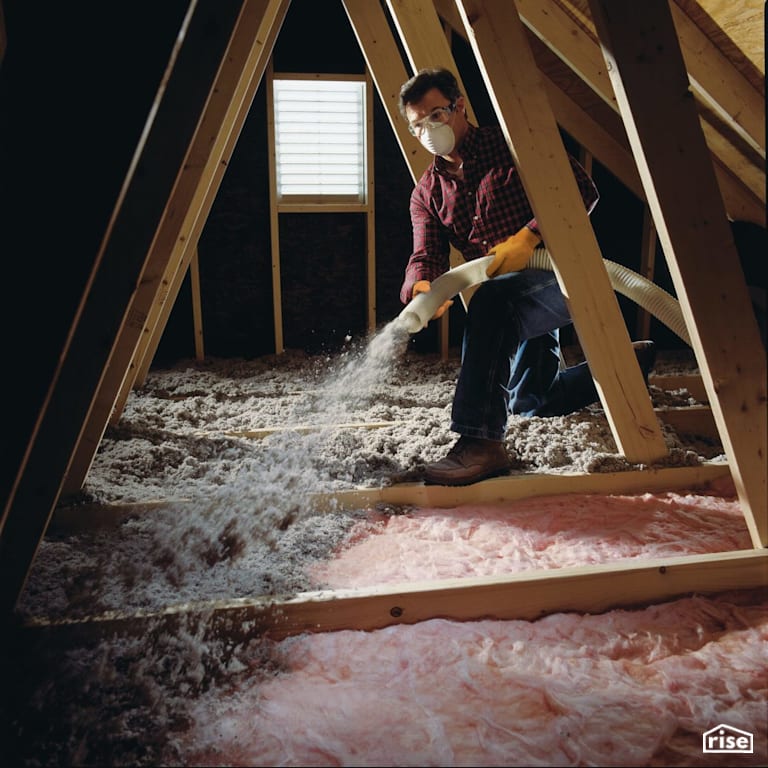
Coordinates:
<point>438,139</point>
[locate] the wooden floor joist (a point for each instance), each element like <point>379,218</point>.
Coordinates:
<point>672,382</point>
<point>500,490</point>
<point>691,420</point>
<point>524,596</point>
<point>306,428</point>
<point>497,490</point>
<point>694,419</point>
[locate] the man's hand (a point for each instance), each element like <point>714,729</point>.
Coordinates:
<point>422,286</point>
<point>513,254</point>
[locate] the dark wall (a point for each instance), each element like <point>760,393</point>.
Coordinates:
<point>323,255</point>
<point>76,86</point>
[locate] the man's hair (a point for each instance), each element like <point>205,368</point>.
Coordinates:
<point>425,80</point>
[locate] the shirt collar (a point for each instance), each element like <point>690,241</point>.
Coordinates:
<point>439,164</point>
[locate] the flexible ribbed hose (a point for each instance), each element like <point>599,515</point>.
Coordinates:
<point>645,293</point>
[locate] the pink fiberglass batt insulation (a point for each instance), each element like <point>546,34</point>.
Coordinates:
<point>628,687</point>
<point>551,532</point>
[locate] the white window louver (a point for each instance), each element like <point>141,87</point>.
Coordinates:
<point>320,138</point>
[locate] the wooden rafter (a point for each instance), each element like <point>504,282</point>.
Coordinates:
<point>737,29</point>
<point>580,51</point>
<point>597,126</point>
<point>423,38</point>
<point>717,82</point>
<point>371,28</point>
<point>649,76</point>
<point>604,139</point>
<point>524,112</point>
<point>183,219</point>
<point>105,308</point>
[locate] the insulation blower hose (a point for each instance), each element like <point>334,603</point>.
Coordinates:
<point>645,293</point>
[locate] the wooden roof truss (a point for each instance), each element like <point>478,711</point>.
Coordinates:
<point>665,110</point>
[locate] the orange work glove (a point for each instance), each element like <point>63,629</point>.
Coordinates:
<point>513,254</point>
<point>422,286</point>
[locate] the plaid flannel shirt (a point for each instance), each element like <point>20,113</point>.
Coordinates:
<point>474,213</point>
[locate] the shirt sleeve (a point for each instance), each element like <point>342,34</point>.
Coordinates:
<point>431,247</point>
<point>587,188</point>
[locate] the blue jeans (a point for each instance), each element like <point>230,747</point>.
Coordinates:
<point>510,356</point>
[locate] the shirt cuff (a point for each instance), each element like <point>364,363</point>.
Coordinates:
<point>533,226</point>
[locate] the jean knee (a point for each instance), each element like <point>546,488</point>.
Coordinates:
<point>489,303</point>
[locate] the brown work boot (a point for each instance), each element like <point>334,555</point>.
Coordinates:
<point>645,352</point>
<point>471,459</point>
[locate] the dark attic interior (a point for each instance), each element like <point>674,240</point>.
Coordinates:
<point>217,542</point>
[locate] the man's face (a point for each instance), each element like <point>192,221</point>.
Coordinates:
<point>436,108</point>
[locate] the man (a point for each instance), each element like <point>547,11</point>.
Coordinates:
<point>472,197</point>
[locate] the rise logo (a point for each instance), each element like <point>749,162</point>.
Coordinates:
<point>727,739</point>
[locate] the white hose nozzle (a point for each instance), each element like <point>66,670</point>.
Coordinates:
<point>424,305</point>
<point>643,292</point>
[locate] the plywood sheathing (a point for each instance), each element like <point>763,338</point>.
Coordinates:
<point>738,30</point>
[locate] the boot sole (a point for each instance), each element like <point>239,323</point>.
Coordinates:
<point>462,481</point>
